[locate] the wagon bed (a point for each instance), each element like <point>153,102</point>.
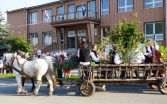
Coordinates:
<point>110,73</point>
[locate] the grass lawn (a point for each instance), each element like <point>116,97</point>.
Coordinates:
<point>7,76</point>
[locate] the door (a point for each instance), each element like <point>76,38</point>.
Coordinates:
<point>81,36</point>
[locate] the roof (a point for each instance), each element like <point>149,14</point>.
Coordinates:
<point>26,8</point>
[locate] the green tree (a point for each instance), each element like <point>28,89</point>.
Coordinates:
<point>163,49</point>
<point>127,37</point>
<point>19,43</point>
<point>3,29</point>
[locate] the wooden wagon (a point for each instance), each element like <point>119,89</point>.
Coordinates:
<point>110,73</point>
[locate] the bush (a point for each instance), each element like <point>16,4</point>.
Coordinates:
<point>164,51</point>
<point>19,43</point>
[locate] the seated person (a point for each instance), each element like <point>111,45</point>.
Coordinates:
<point>93,54</point>
<point>116,59</point>
<point>138,58</point>
<point>114,56</point>
<point>149,54</point>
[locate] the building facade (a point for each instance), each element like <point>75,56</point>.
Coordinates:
<point>64,24</point>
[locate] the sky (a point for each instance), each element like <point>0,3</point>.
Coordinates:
<point>7,5</point>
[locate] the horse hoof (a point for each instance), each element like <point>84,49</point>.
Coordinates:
<point>17,93</point>
<point>36,94</point>
<point>26,93</point>
<point>50,93</point>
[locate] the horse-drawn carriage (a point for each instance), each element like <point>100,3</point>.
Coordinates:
<point>110,73</point>
<point>96,74</point>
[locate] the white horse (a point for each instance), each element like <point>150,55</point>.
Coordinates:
<point>36,68</point>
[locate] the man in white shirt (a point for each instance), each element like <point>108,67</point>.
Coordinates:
<point>39,53</point>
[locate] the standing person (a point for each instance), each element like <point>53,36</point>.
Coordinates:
<point>84,57</point>
<point>84,54</point>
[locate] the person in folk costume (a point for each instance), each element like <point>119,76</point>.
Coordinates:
<point>116,59</point>
<point>150,53</point>
<point>84,57</point>
<point>94,55</point>
<point>95,58</point>
<point>39,53</point>
<point>61,59</point>
<point>138,58</point>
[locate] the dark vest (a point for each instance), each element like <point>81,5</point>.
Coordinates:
<point>112,55</point>
<point>148,59</point>
<point>84,55</point>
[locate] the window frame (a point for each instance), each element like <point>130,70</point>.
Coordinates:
<point>43,37</point>
<point>154,35</point>
<point>102,10</point>
<point>31,21</point>
<point>31,40</point>
<point>71,37</point>
<point>153,3</point>
<point>126,6</point>
<point>71,15</point>
<point>90,12</point>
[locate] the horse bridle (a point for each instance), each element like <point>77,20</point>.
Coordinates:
<point>10,64</point>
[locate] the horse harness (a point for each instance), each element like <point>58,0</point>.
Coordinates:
<point>10,65</point>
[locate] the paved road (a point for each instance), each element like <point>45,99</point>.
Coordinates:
<point>114,95</point>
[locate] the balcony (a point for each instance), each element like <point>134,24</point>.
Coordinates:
<point>76,17</point>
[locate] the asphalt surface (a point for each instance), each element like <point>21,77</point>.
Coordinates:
<point>115,94</point>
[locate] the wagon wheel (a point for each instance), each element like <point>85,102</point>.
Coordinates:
<point>87,88</point>
<point>162,86</point>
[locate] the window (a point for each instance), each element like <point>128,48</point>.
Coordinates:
<point>60,13</point>
<point>154,31</point>
<point>153,3</point>
<point>91,8</point>
<point>71,11</point>
<point>34,38</point>
<point>47,38</point>
<point>81,36</point>
<point>105,31</point>
<point>81,12</point>
<point>33,18</point>
<point>47,15</point>
<point>71,39</point>
<point>125,5</point>
<point>105,5</point>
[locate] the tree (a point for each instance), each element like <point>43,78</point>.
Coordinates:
<point>19,43</point>
<point>3,29</point>
<point>127,37</point>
